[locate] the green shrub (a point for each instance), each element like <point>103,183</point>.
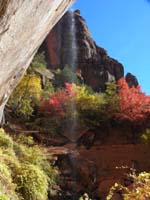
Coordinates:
<point>145,137</point>
<point>85,196</point>
<point>5,172</point>
<point>26,96</point>
<point>46,124</point>
<point>37,62</point>
<point>5,140</point>
<point>9,158</point>
<point>89,106</point>
<point>32,182</point>
<point>26,140</point>
<point>65,75</point>
<point>4,197</point>
<point>25,170</point>
<point>28,154</point>
<point>25,109</point>
<point>140,189</point>
<point>7,187</point>
<point>47,90</point>
<point>34,155</point>
<point>111,99</point>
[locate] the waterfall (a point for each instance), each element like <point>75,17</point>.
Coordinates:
<point>72,121</point>
<point>73,43</point>
<point>73,65</point>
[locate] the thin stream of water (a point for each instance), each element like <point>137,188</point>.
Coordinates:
<point>73,63</point>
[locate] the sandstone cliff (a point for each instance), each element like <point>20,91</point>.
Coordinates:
<point>92,63</point>
<point>23,26</point>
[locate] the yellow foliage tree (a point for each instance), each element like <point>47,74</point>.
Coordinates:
<point>26,95</point>
<point>87,100</point>
<point>89,105</point>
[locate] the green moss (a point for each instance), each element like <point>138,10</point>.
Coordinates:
<point>32,182</point>
<point>25,170</point>
<point>5,172</point>
<point>26,140</point>
<point>8,157</point>
<point>34,155</point>
<point>5,140</point>
<point>7,187</point>
<point>4,197</point>
<point>26,154</point>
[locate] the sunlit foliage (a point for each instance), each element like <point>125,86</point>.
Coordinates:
<point>145,136</point>
<point>89,106</point>
<point>140,188</point>
<point>111,99</point>
<point>37,62</point>
<point>58,101</point>
<point>26,95</point>
<point>134,105</point>
<point>74,101</point>
<point>25,172</point>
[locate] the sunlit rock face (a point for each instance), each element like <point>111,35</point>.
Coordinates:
<point>23,26</point>
<point>93,63</point>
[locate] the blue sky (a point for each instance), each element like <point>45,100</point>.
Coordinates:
<point>122,27</point>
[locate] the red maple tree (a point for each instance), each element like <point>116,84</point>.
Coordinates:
<point>134,105</point>
<point>58,101</point>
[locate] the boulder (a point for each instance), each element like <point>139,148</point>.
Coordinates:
<point>131,80</point>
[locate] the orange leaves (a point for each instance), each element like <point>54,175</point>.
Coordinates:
<point>133,103</point>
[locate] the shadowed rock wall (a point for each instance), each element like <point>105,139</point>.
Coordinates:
<point>94,66</point>
<point>93,63</point>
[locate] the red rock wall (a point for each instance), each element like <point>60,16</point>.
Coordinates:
<point>52,42</point>
<point>106,158</point>
<point>96,66</point>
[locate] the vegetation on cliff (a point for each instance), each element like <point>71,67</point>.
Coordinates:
<point>51,103</point>
<point>119,102</point>
<point>25,169</point>
<point>138,190</point>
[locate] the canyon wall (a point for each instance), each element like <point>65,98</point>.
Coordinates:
<point>94,65</point>
<point>23,26</point>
